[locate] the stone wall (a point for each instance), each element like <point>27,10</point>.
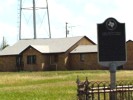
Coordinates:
<point>8,63</point>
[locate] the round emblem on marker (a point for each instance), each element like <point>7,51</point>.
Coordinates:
<point>111,24</point>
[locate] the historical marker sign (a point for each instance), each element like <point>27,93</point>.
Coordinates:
<point>111,42</point>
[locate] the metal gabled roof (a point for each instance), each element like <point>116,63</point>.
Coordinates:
<point>11,50</point>
<point>41,48</point>
<point>85,49</point>
<point>54,45</point>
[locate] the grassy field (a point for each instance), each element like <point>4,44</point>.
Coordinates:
<point>59,85</point>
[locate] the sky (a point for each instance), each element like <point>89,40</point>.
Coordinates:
<point>82,17</point>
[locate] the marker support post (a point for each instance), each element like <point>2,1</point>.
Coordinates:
<point>112,80</point>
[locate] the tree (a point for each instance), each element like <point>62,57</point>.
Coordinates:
<point>4,44</point>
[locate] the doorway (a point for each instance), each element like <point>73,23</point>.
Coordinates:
<point>19,63</point>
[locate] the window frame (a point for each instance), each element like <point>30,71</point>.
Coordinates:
<point>31,59</point>
<point>54,59</point>
<point>82,57</point>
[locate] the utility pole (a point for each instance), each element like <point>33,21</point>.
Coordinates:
<point>66,30</point>
<point>20,19</point>
<point>48,19</point>
<point>34,19</point>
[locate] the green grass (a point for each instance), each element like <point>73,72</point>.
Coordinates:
<point>59,85</point>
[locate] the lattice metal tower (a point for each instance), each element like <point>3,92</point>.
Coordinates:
<point>33,8</point>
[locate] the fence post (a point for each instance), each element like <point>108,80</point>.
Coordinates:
<point>78,93</point>
<point>87,88</point>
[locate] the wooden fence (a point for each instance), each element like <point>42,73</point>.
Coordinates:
<point>101,90</point>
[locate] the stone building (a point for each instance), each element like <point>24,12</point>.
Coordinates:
<point>40,54</point>
<point>72,53</point>
<point>129,63</point>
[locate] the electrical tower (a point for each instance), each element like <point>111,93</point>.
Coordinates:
<point>32,8</point>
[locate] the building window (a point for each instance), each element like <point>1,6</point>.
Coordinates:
<point>31,59</point>
<point>54,59</point>
<point>82,57</point>
<point>18,60</point>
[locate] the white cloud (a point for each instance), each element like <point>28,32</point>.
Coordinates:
<point>10,3</point>
<point>123,13</point>
<point>2,6</point>
<point>92,9</point>
<point>9,32</point>
<point>83,14</point>
<point>59,12</point>
<point>41,3</point>
<point>6,4</point>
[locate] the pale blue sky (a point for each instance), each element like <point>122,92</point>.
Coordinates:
<point>83,14</point>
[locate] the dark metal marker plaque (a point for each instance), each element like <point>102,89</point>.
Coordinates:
<point>111,41</point>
